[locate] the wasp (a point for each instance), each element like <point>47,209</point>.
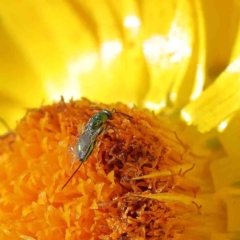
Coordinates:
<point>91,131</point>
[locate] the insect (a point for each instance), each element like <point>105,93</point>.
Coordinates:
<point>91,131</point>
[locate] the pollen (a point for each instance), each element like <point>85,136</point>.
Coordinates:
<point>146,177</point>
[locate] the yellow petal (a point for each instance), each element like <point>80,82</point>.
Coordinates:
<point>216,103</point>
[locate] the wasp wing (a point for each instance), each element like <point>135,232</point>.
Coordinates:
<point>85,143</point>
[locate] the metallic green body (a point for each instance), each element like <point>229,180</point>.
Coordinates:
<point>87,140</point>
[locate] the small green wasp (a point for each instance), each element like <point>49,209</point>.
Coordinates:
<point>87,140</point>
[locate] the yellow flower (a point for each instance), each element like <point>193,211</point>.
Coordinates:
<point>179,58</point>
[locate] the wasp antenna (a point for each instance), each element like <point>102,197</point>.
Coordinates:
<point>124,114</point>
<point>72,176</point>
<point>5,124</point>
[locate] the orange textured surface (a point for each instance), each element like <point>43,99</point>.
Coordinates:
<point>99,202</point>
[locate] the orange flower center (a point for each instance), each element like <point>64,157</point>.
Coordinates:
<point>133,184</point>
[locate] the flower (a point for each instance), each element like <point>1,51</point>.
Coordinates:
<point>146,53</point>
<point>139,181</point>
